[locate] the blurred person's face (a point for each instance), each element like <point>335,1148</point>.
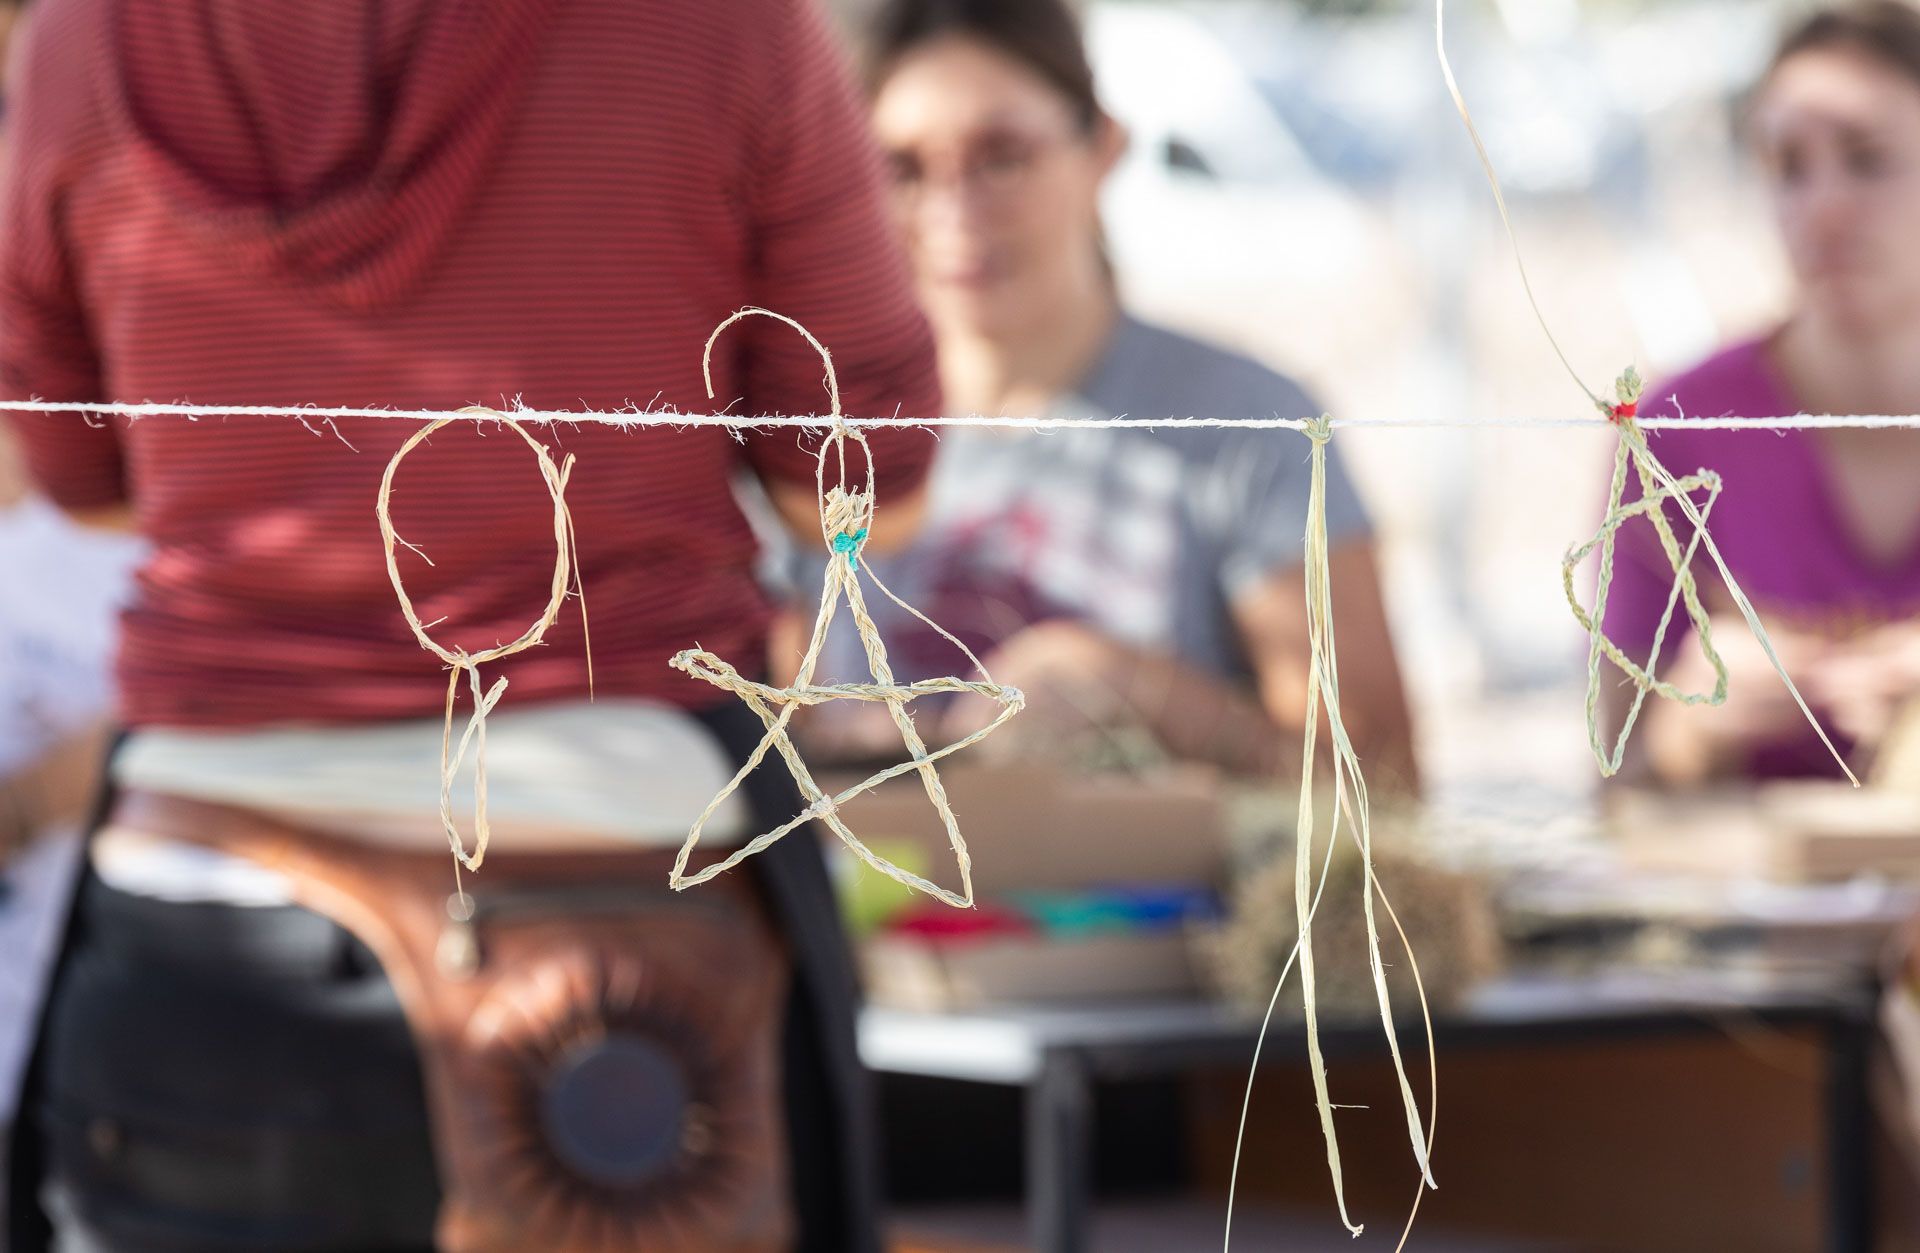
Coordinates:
<point>995,185</point>
<point>1839,132</point>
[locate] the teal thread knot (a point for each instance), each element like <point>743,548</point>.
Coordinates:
<point>848,544</point>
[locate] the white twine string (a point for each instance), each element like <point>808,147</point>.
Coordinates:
<point>827,422</point>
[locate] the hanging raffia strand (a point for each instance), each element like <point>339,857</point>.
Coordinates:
<point>846,520</point>
<point>1351,809</point>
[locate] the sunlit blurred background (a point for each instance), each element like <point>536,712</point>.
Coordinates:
<point>1298,185</point>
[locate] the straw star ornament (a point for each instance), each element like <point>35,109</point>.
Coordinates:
<point>846,520</point>
<point>1658,488</point>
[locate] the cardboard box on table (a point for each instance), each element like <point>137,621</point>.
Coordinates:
<point>1034,829</point>
<point>1788,832</point>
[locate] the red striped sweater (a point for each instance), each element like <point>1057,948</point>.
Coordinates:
<point>424,204</point>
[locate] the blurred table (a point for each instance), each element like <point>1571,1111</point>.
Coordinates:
<point>1057,1054</point>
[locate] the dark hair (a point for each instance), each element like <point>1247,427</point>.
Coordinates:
<point>1887,30</point>
<point>1042,35</point>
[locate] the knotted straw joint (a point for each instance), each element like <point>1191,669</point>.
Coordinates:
<point>846,518</point>
<point>843,512</point>
<point>848,544</point>
<point>1626,398</point>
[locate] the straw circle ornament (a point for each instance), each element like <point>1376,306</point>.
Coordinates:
<point>458,660</point>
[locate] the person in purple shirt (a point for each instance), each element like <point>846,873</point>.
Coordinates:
<point>1822,527</point>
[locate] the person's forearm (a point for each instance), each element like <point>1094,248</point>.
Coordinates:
<point>114,518</point>
<point>786,644</point>
<point>1678,746</point>
<point>57,789</point>
<point>1201,717</point>
<point>1278,641</point>
<point>1681,746</point>
<point>1196,716</point>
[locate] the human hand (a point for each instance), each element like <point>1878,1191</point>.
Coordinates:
<point>1864,683</point>
<point>1072,675</point>
<point>1688,744</point>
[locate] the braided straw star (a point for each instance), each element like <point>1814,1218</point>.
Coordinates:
<point>1657,487</point>
<point>846,519</point>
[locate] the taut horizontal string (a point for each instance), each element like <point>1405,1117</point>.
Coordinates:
<point>639,418</point>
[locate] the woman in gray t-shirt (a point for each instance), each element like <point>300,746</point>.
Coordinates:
<point>1143,577</point>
